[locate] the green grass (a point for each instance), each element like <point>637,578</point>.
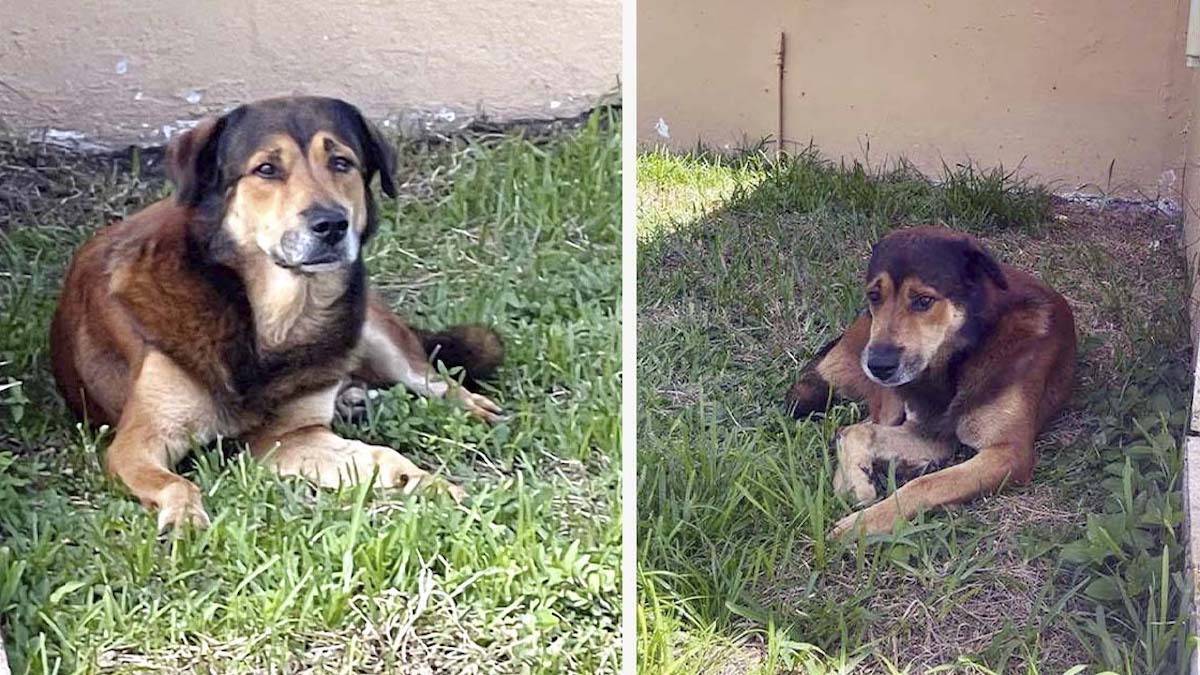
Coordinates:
<point>746,267</point>
<point>521,234</point>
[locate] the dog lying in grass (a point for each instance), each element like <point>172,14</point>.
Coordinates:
<point>955,348</point>
<point>239,307</point>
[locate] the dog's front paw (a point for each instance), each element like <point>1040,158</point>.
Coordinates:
<point>180,505</point>
<point>845,528</point>
<point>856,483</point>
<point>877,519</point>
<point>480,406</point>
<point>853,474</point>
<point>398,472</point>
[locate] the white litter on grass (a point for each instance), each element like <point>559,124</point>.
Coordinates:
<point>662,129</point>
<point>1165,205</point>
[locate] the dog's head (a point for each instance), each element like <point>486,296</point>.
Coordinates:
<point>926,289</point>
<point>288,178</point>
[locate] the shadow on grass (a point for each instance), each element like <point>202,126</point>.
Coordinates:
<point>746,267</point>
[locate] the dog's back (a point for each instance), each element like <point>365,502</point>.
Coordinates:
<point>94,343</point>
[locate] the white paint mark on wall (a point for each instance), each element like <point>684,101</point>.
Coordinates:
<point>169,130</point>
<point>68,138</point>
<point>1166,181</point>
<point>661,128</point>
<point>63,135</point>
<point>122,66</point>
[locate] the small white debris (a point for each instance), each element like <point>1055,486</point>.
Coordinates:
<point>661,127</point>
<point>137,96</point>
<point>555,105</point>
<point>122,66</point>
<point>63,135</point>
<point>192,96</point>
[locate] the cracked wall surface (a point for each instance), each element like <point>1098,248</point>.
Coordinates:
<point>138,71</point>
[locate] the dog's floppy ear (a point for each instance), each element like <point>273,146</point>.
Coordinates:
<point>192,161</point>
<point>381,157</point>
<point>981,265</point>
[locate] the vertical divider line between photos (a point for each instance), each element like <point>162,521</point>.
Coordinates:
<point>1191,488</point>
<point>1191,501</point>
<point>1191,253</point>
<point>629,337</point>
<point>1191,440</point>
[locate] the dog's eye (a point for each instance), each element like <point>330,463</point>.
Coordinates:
<point>873,296</point>
<point>266,170</point>
<point>341,165</point>
<point>922,303</point>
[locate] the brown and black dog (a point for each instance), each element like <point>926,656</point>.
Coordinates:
<point>239,307</point>
<point>955,348</point>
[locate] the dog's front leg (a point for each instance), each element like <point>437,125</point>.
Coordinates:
<point>165,412</point>
<point>299,442</point>
<point>1003,430</point>
<point>982,474</point>
<point>859,446</point>
<point>392,354</point>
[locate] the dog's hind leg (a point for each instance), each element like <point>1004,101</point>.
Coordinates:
<point>298,442</point>
<point>393,353</point>
<point>166,411</point>
<point>836,373</point>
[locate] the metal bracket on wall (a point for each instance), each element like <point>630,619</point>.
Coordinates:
<point>780,61</point>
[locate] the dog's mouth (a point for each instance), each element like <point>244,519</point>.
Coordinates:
<point>313,265</point>
<point>895,380</point>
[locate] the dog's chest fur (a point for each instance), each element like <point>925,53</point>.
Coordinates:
<point>933,405</point>
<point>251,355</point>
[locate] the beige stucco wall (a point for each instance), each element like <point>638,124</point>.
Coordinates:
<point>123,70</point>
<point>1064,86</point>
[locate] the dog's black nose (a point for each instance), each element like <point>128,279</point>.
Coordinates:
<point>883,361</point>
<point>329,224</point>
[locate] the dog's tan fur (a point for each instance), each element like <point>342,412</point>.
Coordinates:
<point>194,319</point>
<point>991,360</point>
